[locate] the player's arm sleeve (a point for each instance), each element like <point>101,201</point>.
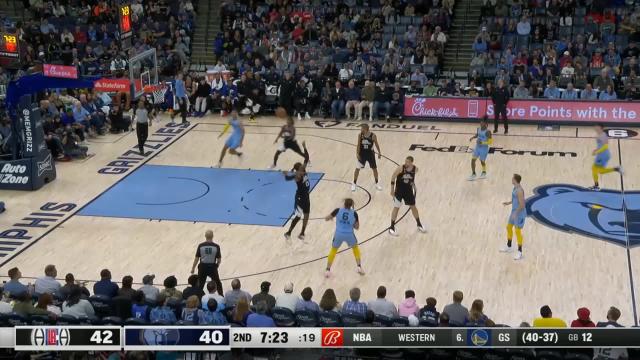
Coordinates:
<point>335,212</point>
<point>289,177</point>
<point>218,254</point>
<point>198,252</point>
<point>602,148</point>
<point>355,214</point>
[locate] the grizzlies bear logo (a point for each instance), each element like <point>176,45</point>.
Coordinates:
<point>600,215</point>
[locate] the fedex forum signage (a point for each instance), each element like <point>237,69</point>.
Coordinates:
<point>564,111</point>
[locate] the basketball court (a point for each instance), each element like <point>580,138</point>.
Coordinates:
<point>145,214</point>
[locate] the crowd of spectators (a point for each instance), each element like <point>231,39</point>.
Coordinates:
<point>49,301</point>
<point>558,49</point>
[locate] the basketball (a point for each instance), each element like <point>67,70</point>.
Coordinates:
<point>281,112</point>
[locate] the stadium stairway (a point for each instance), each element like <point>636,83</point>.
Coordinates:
<point>207,27</point>
<point>464,28</point>
<point>12,9</point>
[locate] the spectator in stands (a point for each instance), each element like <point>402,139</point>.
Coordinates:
<point>476,317</point>
<point>105,286</point>
<point>428,314</point>
<point>608,94</point>
<point>76,306</point>
<point>547,320</point>
<point>613,60</point>
<point>306,303</point>
<point>408,306</point>
<point>583,319</point>
<point>23,306</point>
<point>354,305</point>
<point>162,312</point>
<point>457,312</point>
<point>612,318</point>
<point>139,308</point>
<point>418,79</point>
<point>5,307</point>
<point>126,290</point>
<point>202,96</point>
<point>397,100</point>
<point>569,93</point>
<point>264,295</point>
<point>260,318</point>
<point>192,289</point>
<point>382,101</point>
<point>150,292</point>
<point>329,302</point>
<point>439,36</point>
<point>632,86</point>
<point>212,293</point>
<point>336,99</point>
<point>382,306</point>
<point>191,312</point>
<point>170,290</point>
<point>588,93</point>
<point>71,141</point>
<point>118,122</point>
<point>430,90</point>
<point>286,92</point>
<point>346,73</point>
<point>288,299</point>
<point>48,283</point>
<point>241,312</point>
<point>14,287</point>
<point>301,100</point>
<point>479,46</point>
<point>232,296</point>
<point>368,97</point>
<point>45,302</point>
<point>352,98</point>
<point>211,315</point>
<point>524,27</point>
<point>552,92</point>
<point>521,92</point>
<point>603,80</point>
<point>70,283</point>
<point>444,320</point>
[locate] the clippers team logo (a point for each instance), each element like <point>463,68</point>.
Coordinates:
<point>600,215</point>
<point>332,337</point>
<point>50,337</point>
<point>327,123</point>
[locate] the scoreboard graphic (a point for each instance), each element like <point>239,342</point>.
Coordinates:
<point>224,338</point>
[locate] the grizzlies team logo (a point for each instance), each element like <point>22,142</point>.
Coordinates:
<point>606,215</point>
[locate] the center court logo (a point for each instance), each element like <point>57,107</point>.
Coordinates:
<point>601,215</point>
<point>493,150</point>
<point>332,337</point>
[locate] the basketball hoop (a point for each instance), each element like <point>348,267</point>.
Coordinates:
<point>157,92</point>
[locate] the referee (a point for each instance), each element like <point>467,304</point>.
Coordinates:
<point>208,255</point>
<point>143,121</point>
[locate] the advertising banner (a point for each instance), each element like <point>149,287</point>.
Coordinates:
<point>60,71</point>
<point>535,111</point>
<point>112,85</point>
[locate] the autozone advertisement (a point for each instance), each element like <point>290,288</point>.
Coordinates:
<point>525,110</point>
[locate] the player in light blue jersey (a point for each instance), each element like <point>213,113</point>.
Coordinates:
<point>234,141</point>
<point>517,216</point>
<point>481,151</point>
<point>346,222</point>
<point>602,157</point>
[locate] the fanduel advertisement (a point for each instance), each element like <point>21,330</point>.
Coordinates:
<point>562,111</point>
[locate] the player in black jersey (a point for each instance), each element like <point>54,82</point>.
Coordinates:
<point>365,154</point>
<point>403,188</point>
<point>302,202</point>
<point>288,135</point>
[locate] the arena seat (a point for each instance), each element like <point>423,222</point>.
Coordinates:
<point>135,321</point>
<point>101,305</point>
<point>352,320</point>
<point>382,321</point>
<point>306,318</point>
<point>41,320</point>
<point>68,320</point>
<point>400,322</point>
<point>329,319</point>
<point>112,320</point>
<point>283,317</point>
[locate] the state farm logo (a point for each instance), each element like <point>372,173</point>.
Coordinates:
<point>419,108</point>
<point>333,337</point>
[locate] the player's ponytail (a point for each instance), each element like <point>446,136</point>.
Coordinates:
<point>348,203</point>
<point>296,166</point>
